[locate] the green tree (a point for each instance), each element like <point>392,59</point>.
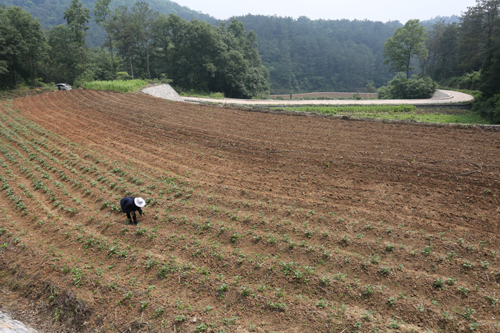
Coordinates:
<point>477,27</point>
<point>34,45</point>
<point>123,29</point>
<point>407,42</point>
<point>10,47</point>
<point>101,63</point>
<point>161,45</point>
<point>176,27</point>
<point>63,62</point>
<point>77,17</point>
<point>144,18</point>
<point>23,46</point>
<point>443,62</point>
<point>102,16</point>
<point>490,71</point>
<point>370,88</point>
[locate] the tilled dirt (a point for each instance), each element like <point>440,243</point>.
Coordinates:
<point>255,221</point>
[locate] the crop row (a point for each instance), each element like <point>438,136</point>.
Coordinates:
<point>210,242</point>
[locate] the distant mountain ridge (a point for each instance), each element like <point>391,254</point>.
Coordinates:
<point>446,19</point>
<point>50,12</point>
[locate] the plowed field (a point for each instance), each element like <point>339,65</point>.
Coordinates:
<point>255,222</point>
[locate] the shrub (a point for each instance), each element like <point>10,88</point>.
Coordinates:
<point>122,76</point>
<point>85,77</point>
<point>488,108</point>
<point>401,87</point>
<point>469,81</point>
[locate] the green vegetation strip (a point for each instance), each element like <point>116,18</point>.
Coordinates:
<point>116,85</point>
<point>354,109</point>
<point>394,112</point>
<point>192,93</point>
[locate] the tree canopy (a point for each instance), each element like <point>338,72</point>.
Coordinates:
<point>50,13</point>
<point>408,41</point>
<point>304,55</point>
<point>466,54</point>
<point>195,55</point>
<point>22,47</point>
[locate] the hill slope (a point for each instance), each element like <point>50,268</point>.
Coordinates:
<point>447,19</point>
<point>305,55</point>
<point>50,12</point>
<point>254,220</point>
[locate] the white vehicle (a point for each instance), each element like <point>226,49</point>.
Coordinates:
<point>63,86</point>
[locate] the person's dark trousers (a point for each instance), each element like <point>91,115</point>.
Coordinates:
<point>133,216</point>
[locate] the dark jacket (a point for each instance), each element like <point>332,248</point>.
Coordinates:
<point>128,205</point>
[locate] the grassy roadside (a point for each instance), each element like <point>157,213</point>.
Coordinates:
<point>198,94</point>
<point>123,86</point>
<point>398,112</point>
<point>24,91</point>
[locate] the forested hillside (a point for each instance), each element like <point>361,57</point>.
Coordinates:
<point>445,19</point>
<point>302,55</point>
<point>306,55</point>
<point>140,43</point>
<point>50,13</point>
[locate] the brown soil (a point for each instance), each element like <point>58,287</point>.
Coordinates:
<point>255,222</point>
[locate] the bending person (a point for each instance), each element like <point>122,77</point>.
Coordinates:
<point>130,205</point>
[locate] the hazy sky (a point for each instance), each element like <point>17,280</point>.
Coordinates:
<point>374,10</point>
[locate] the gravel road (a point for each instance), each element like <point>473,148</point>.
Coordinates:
<point>9,325</point>
<point>440,97</point>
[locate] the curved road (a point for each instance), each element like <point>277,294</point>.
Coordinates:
<point>440,97</point>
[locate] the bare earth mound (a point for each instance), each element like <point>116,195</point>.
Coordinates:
<point>254,222</point>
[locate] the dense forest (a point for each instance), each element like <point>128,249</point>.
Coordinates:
<point>301,55</point>
<point>195,55</point>
<point>298,55</point>
<point>458,48</point>
<point>51,13</point>
<point>466,54</point>
<point>306,55</point>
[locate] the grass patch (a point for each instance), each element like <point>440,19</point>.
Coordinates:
<point>354,109</point>
<point>202,94</point>
<point>468,117</point>
<point>25,91</point>
<point>123,86</point>
<point>398,112</point>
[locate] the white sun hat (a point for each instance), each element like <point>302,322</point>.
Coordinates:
<point>139,202</point>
